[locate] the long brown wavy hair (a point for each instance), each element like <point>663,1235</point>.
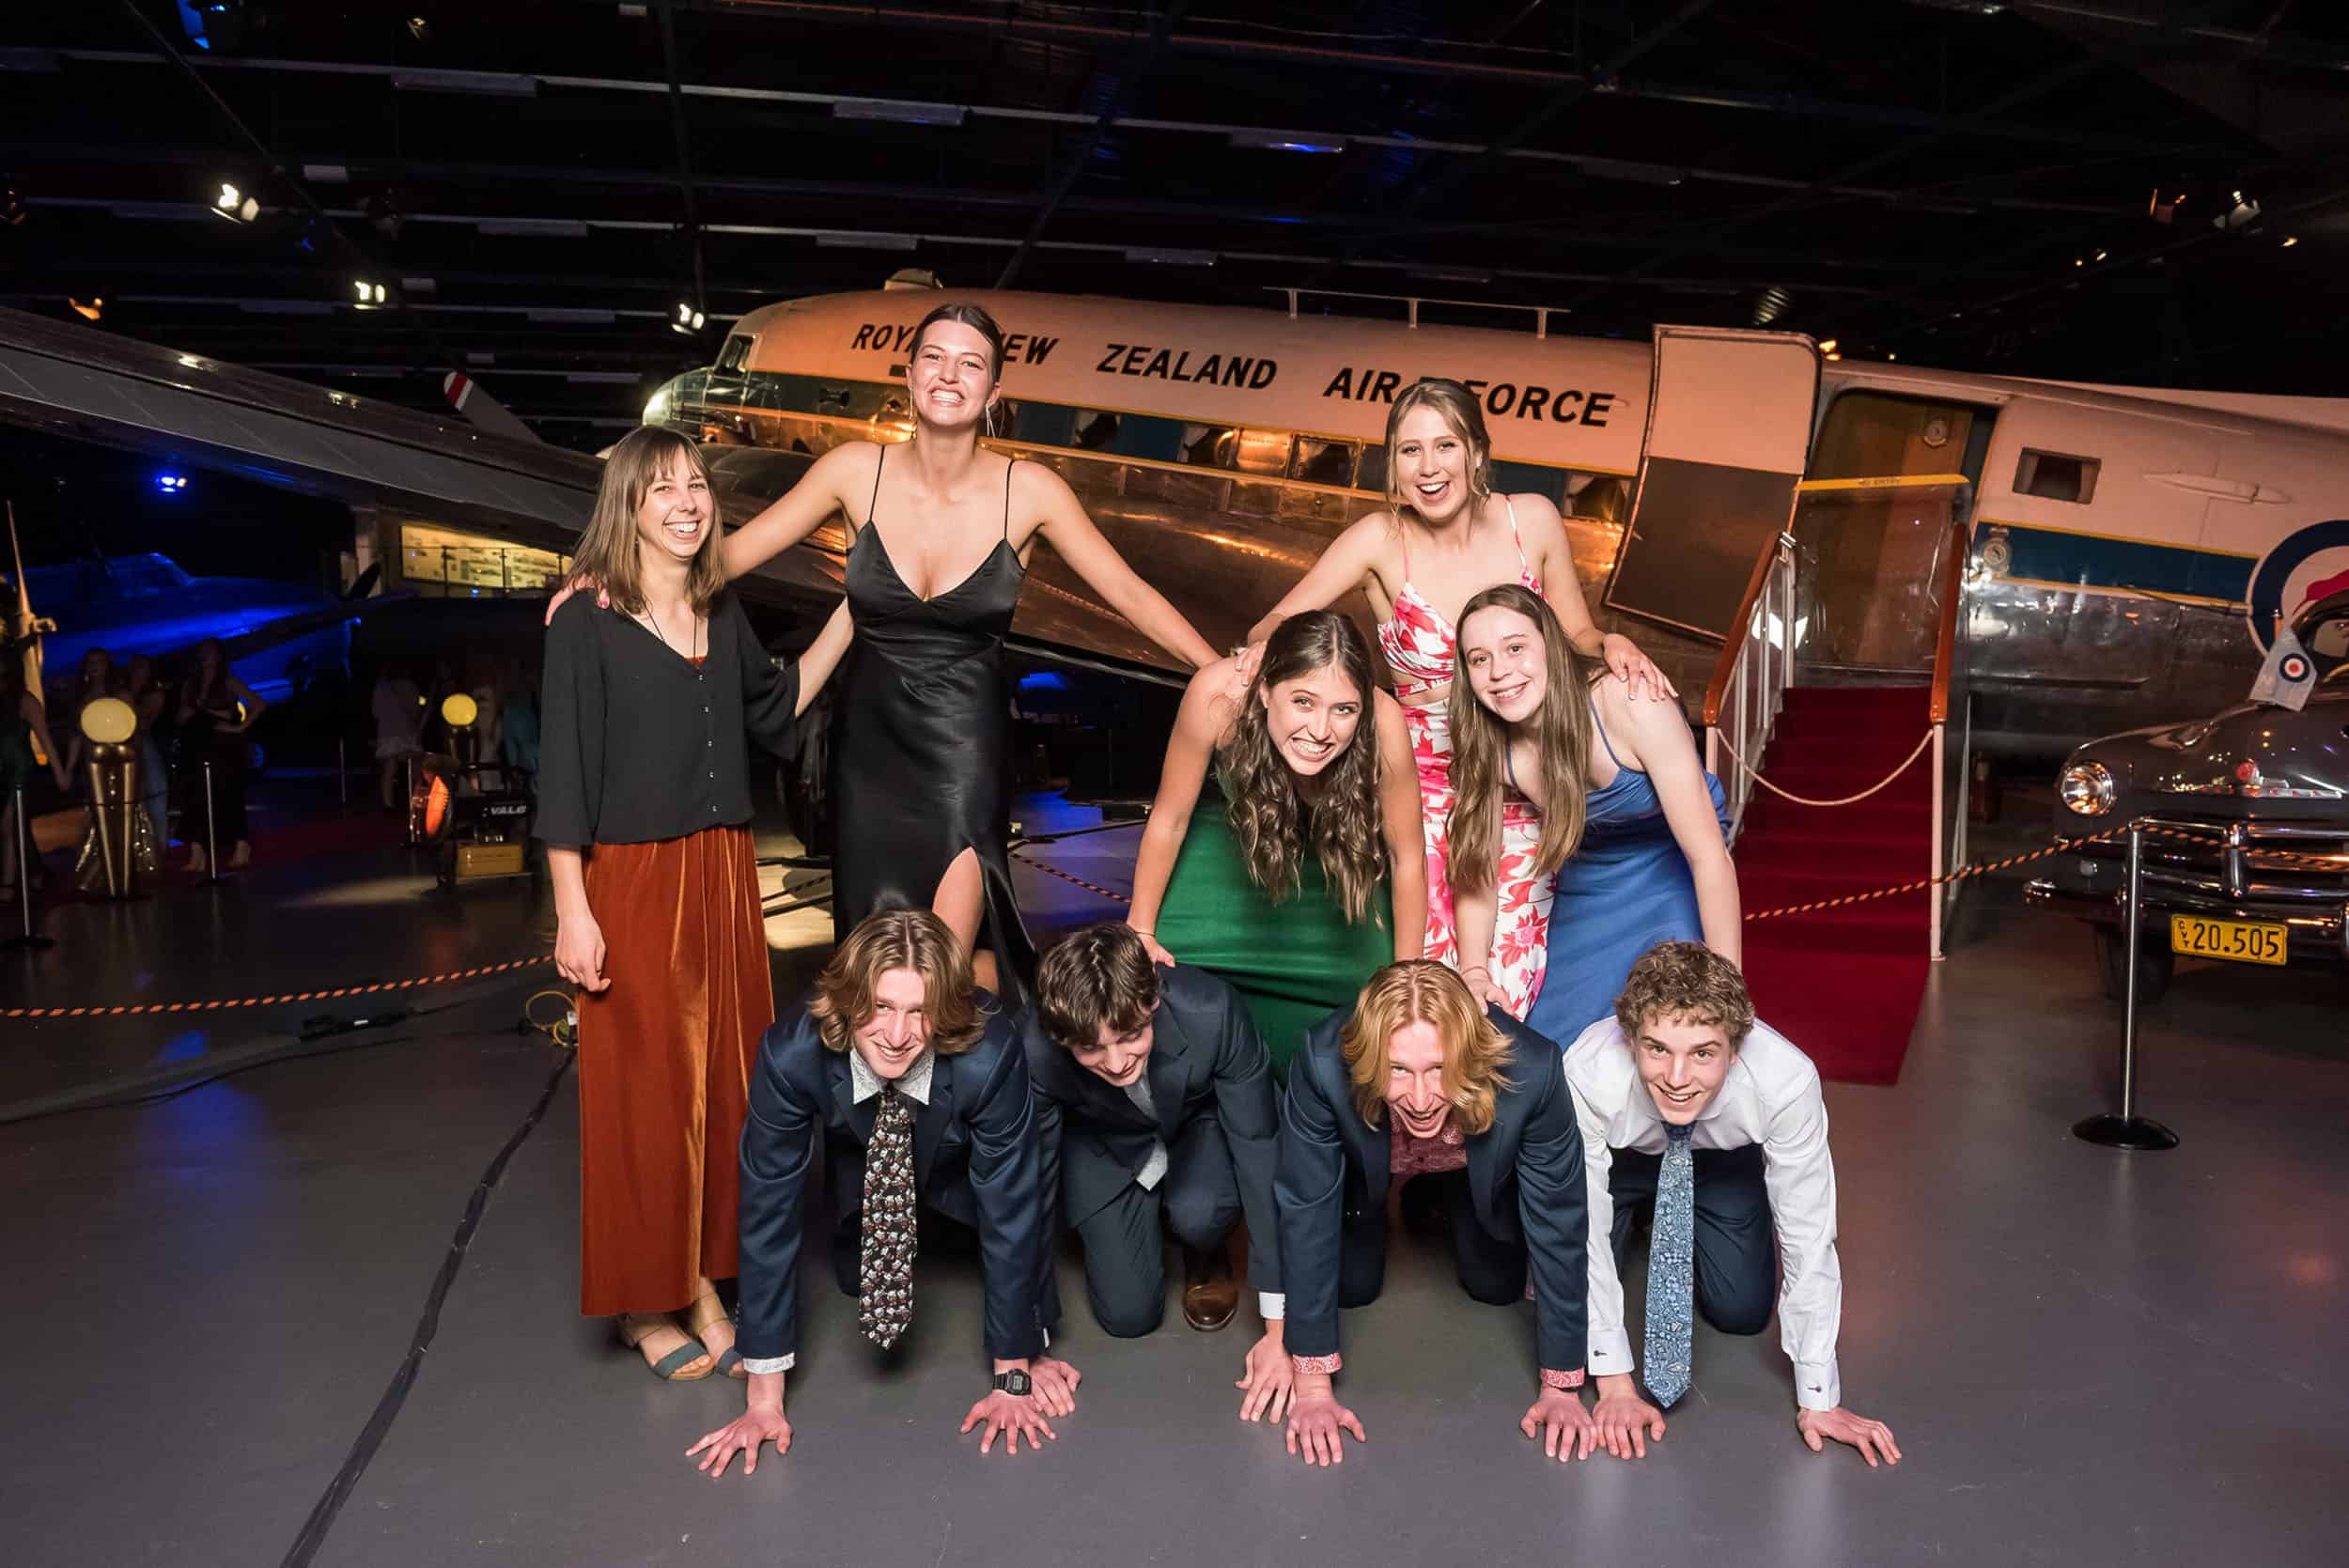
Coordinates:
<point>912,939</point>
<point>1265,807</point>
<point>1421,991</point>
<point>608,545</point>
<point>1562,729</point>
<point>1459,410</point>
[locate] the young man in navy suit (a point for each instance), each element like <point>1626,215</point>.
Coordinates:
<point>1153,1109</point>
<point>916,1094</point>
<point>1419,1078</point>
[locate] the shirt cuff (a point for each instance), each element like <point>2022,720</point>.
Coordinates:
<point>1323,1364</point>
<point>764,1366</point>
<point>1818,1385</point>
<point>1553,1379</point>
<point>1273,1305</point>
<point>1610,1354</point>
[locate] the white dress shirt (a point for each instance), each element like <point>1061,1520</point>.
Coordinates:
<point>1771,1098</point>
<point>864,1083</point>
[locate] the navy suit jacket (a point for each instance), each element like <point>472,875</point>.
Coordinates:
<point>1205,1060</point>
<point>974,1161</point>
<point>1525,1177</point>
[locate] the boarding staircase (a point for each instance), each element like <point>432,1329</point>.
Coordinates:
<point>1843,679</point>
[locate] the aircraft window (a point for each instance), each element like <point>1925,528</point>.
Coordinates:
<point>832,399</point>
<point>1046,423</point>
<point>2055,476</point>
<point>1209,446</point>
<point>1529,479</point>
<point>1372,475</point>
<point>1095,430</point>
<point>1265,452</point>
<point>736,354</point>
<point>1324,462</point>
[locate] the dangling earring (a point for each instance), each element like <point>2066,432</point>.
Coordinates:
<point>990,420</point>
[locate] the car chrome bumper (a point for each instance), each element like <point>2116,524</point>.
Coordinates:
<point>2316,934</point>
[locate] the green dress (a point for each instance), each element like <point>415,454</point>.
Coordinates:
<point>1295,962</point>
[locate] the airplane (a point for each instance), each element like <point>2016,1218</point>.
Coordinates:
<point>2129,550</point>
<point>280,636</point>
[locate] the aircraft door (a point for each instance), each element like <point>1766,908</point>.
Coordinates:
<point>1727,429</point>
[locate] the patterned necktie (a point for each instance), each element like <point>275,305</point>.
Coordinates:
<point>885,1302</point>
<point>1672,1271</point>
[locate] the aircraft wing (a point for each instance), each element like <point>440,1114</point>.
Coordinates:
<point>82,383</point>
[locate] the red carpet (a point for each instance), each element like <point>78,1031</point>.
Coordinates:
<point>1841,983</point>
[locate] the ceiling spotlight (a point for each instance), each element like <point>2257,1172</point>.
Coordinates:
<point>235,206</point>
<point>1829,344</point>
<point>420,28</point>
<point>688,321</point>
<point>88,311</point>
<point>371,295</point>
<point>2290,241</point>
<point>2242,214</point>
<point>1773,303</point>
<point>2100,256</point>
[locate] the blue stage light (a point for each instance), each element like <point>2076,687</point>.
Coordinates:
<point>171,484</point>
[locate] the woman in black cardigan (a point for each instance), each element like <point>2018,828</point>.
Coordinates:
<point>644,804</point>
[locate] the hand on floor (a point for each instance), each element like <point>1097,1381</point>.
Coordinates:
<point>1870,1437</point>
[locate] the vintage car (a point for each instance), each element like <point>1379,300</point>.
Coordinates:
<point>2254,864</point>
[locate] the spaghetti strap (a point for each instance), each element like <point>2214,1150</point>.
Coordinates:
<point>874,504</point>
<point>1515,538</point>
<point>1403,537</point>
<point>1007,467</point>
<point>1509,766</point>
<point>1597,724</point>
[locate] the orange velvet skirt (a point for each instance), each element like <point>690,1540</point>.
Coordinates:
<point>664,1064</point>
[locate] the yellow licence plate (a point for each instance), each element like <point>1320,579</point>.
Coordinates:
<point>2245,941</point>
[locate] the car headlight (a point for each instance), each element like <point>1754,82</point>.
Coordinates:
<point>2087,788</point>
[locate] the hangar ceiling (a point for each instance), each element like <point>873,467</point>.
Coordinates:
<point>2150,190</point>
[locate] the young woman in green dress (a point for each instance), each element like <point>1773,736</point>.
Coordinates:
<point>1300,869</point>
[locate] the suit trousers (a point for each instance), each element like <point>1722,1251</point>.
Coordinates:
<point>1490,1268</point>
<point>1736,1245</point>
<point>1124,1245</point>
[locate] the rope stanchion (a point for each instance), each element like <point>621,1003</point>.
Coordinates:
<point>30,938</point>
<point>1922,741</point>
<point>224,1003</point>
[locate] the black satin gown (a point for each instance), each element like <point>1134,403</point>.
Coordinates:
<point>922,746</point>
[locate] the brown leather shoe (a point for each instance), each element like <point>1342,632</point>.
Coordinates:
<point>1210,1294</point>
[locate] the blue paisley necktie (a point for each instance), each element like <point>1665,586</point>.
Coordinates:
<point>885,1298</point>
<point>1671,1270</point>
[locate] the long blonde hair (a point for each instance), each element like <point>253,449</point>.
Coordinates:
<point>912,939</point>
<point>1458,408</point>
<point>1421,991</point>
<point>608,545</point>
<point>1562,726</point>
<point>1261,798</point>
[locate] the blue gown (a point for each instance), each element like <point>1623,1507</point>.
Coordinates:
<point>1626,888</point>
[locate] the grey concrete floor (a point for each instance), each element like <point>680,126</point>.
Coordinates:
<point>2089,1356</point>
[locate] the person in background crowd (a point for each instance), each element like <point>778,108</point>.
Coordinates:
<point>645,807</point>
<point>148,699</point>
<point>1691,1109</point>
<point>23,725</point>
<point>399,714</point>
<point>1417,1080</point>
<point>216,711</point>
<point>97,679</point>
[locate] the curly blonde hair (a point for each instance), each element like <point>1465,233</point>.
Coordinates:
<point>1690,983</point>
<point>1421,991</point>
<point>912,939</point>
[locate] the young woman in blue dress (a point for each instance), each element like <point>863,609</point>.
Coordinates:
<point>1632,825</point>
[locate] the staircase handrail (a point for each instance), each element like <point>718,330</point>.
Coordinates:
<point>1952,601</point>
<point>1952,769</point>
<point>1751,677</point>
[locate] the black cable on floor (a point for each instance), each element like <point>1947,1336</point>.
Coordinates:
<point>330,1504</point>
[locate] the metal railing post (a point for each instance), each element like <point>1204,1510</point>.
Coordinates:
<point>211,839</point>
<point>2128,1130</point>
<point>31,938</point>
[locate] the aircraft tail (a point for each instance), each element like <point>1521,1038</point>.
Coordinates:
<point>465,396</point>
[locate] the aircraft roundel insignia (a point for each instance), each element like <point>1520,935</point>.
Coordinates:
<point>2294,669</point>
<point>2301,567</point>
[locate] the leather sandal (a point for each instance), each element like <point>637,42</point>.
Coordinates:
<point>705,1311</point>
<point>678,1365</point>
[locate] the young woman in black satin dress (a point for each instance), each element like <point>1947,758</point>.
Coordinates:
<point>944,529</point>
